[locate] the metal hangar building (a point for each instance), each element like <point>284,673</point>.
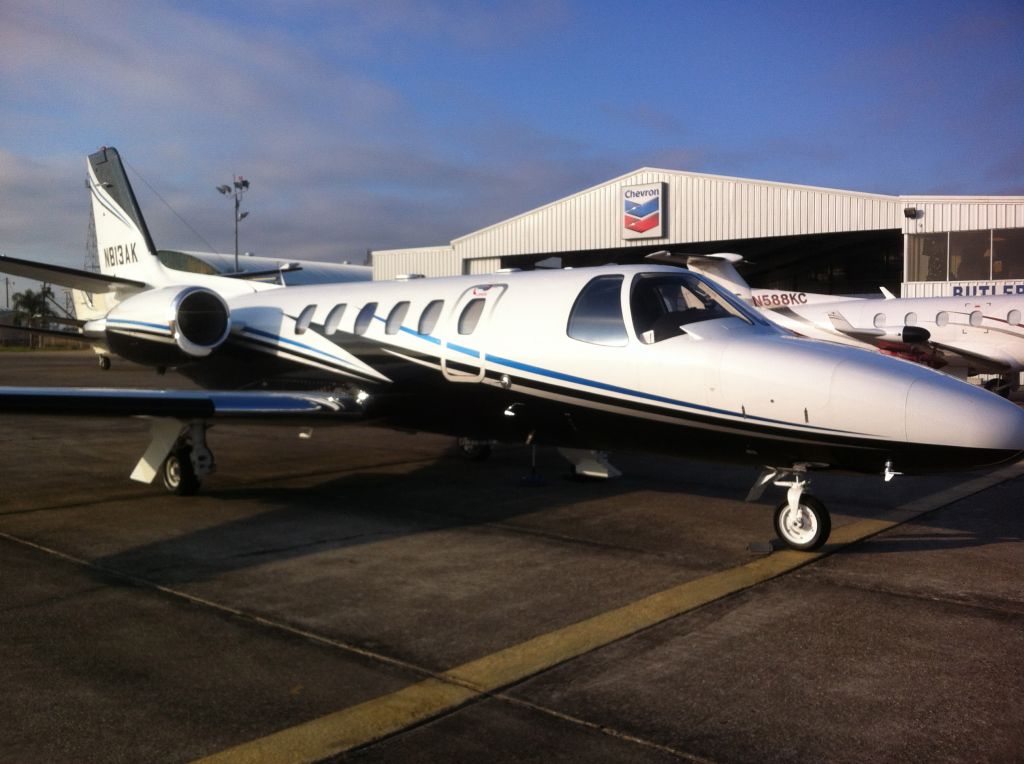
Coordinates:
<point>800,238</point>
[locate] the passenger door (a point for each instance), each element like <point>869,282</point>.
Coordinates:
<point>464,356</point>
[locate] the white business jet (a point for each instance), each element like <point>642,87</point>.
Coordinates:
<point>641,357</point>
<point>962,335</point>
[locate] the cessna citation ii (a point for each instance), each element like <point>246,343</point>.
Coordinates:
<point>963,335</point>
<point>643,357</point>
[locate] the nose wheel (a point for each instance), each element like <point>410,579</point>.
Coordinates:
<point>805,526</point>
<point>801,521</point>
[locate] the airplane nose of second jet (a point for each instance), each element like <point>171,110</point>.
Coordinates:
<point>945,411</point>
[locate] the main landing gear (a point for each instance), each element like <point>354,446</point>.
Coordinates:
<point>188,463</point>
<point>801,521</point>
<point>177,454</point>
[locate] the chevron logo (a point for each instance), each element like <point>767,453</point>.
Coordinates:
<point>642,210</point>
<point>642,217</point>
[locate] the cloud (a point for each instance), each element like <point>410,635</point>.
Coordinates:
<point>43,203</point>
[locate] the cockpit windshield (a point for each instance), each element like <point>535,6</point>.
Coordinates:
<point>662,305</point>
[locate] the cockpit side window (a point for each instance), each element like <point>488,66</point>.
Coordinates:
<point>596,316</point>
<point>662,304</point>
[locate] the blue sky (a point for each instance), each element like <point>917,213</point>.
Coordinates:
<point>407,123</point>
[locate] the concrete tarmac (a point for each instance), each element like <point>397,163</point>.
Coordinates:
<point>366,595</point>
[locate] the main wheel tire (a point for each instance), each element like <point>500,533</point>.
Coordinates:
<point>473,450</point>
<point>177,472</point>
<point>807,528</point>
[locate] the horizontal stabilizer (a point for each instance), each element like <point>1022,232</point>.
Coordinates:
<point>845,327</point>
<point>909,335</point>
<point>74,336</point>
<point>180,404</point>
<point>720,267</point>
<point>87,281</point>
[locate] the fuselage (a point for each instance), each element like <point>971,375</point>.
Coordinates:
<point>639,357</point>
<point>975,334</point>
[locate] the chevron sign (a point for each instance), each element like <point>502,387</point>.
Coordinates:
<point>642,211</point>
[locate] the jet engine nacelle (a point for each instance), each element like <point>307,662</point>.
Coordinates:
<point>168,326</point>
<point>910,335</point>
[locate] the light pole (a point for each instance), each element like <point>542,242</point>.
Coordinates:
<point>241,185</point>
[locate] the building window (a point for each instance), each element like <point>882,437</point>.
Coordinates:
<point>926,257</point>
<point>429,317</point>
<point>365,317</point>
<point>970,255</point>
<point>1008,253</point>
<point>471,315</point>
<point>396,317</point>
<point>597,315</point>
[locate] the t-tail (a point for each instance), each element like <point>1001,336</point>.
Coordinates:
<point>123,243</point>
<point>721,267</point>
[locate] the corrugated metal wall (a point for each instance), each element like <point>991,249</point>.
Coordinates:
<point>699,208</point>
<point>429,261</point>
<point>963,214</point>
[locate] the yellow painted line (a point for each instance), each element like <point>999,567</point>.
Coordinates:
<point>375,719</point>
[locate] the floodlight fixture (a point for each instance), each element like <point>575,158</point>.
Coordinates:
<point>241,185</point>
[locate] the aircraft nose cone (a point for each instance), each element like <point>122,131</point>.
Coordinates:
<point>948,412</point>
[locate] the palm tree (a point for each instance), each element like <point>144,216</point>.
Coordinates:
<point>32,308</point>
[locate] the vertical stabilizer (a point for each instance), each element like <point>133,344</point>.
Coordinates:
<point>122,240</point>
<point>720,268</point>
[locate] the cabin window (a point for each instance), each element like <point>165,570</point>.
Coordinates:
<point>333,319</point>
<point>304,319</point>
<point>596,316</point>
<point>976,318</point>
<point>941,318</point>
<point>365,317</point>
<point>471,315</point>
<point>429,316</point>
<point>663,303</point>
<point>879,320</point>
<point>1013,317</point>
<point>910,319</point>
<point>396,317</point>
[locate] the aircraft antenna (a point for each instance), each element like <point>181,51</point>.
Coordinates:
<point>168,205</point>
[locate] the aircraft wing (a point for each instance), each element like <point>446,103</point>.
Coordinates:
<point>86,281</point>
<point>177,404</point>
<point>993,362</point>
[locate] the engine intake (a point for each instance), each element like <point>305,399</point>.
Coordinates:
<point>202,321</point>
<point>168,326</point>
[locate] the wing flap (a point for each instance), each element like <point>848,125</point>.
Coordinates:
<point>994,362</point>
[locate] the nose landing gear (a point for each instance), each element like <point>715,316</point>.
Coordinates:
<point>801,521</point>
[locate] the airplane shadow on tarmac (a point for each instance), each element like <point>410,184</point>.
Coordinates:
<point>687,512</point>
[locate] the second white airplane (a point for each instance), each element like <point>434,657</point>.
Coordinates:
<point>963,335</point>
